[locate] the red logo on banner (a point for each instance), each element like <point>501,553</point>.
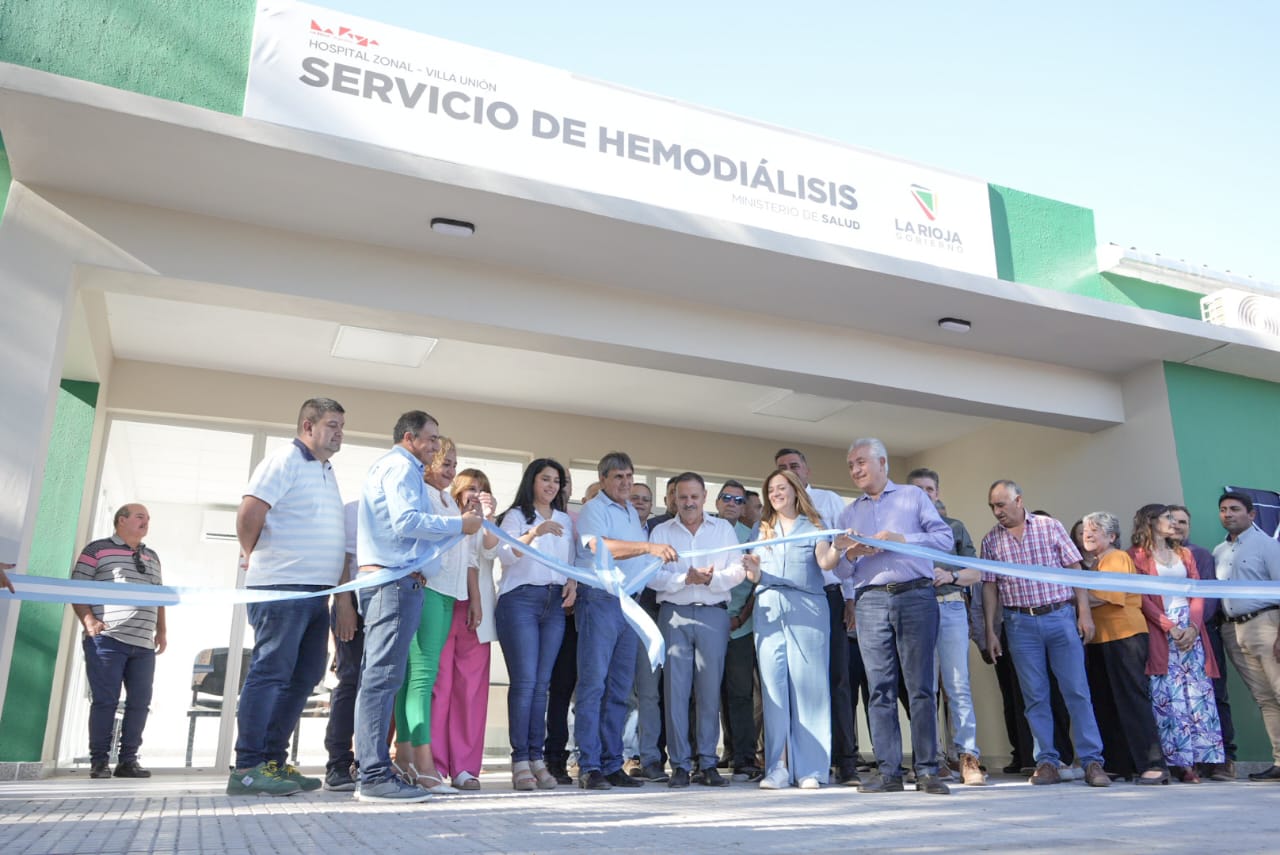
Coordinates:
<point>344,33</point>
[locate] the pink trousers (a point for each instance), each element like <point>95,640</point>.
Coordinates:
<point>460,699</point>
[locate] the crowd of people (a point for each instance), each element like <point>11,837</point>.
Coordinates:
<point>777,617</point>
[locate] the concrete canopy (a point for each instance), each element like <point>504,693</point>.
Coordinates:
<point>692,320</point>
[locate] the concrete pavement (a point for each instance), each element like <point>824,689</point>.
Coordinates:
<point>188,813</point>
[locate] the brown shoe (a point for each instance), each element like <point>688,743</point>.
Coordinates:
<point>1095,776</point>
<point>971,773</point>
<point>1223,771</point>
<point>1046,773</point>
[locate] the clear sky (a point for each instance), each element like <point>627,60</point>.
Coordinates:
<point>1160,116</point>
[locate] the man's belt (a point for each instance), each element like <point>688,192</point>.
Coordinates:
<point>1035,611</point>
<point>1245,618</point>
<point>898,587</point>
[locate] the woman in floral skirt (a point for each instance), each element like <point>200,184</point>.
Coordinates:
<point>1180,661</point>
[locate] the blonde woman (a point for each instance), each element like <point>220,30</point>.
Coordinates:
<point>792,624</point>
<point>460,698</point>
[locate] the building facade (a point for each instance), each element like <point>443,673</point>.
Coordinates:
<point>183,248</point>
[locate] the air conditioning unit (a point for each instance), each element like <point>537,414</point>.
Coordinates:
<point>1242,310</point>
<point>219,523</point>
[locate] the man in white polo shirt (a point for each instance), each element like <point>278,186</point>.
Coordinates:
<point>291,531</point>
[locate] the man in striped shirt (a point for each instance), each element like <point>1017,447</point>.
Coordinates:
<point>1046,624</point>
<point>120,642</point>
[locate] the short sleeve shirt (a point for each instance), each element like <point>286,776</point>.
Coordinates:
<point>1044,543</point>
<point>113,560</point>
<point>303,540</point>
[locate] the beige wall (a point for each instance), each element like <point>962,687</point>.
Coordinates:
<point>1068,474</point>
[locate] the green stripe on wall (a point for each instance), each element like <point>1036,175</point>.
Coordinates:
<point>1225,430</point>
<point>53,549</point>
<point>192,51</point>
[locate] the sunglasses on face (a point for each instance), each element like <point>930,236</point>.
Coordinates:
<point>737,500</point>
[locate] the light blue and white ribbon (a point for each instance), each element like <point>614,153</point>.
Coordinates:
<point>606,575</point>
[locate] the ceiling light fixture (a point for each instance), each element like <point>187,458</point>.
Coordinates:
<point>385,348</point>
<point>453,228</point>
<point>958,325</point>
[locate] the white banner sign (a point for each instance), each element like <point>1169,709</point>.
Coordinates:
<point>325,71</point>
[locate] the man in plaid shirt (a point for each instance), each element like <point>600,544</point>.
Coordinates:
<point>1046,625</point>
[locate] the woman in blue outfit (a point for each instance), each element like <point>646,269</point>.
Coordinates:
<point>791,628</point>
<point>530,619</point>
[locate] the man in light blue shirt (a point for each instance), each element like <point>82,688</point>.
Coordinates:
<point>1251,627</point>
<point>897,614</point>
<point>606,643</point>
<point>395,532</point>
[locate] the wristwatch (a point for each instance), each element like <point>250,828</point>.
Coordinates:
<point>955,577</point>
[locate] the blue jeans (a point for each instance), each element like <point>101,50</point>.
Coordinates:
<point>530,624</point>
<point>606,670</point>
<point>290,650</point>
<point>391,616</point>
<point>1038,644</point>
<point>953,669</point>
<point>900,632</point>
<point>342,702</point>
<point>110,664</point>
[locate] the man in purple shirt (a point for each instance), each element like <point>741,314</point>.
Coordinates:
<point>1212,624</point>
<point>897,615</point>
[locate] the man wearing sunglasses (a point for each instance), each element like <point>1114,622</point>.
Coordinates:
<point>120,642</point>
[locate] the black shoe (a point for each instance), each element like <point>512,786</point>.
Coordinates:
<point>100,770</point>
<point>712,778</point>
<point>622,779</point>
<point>932,784</point>
<point>1014,768</point>
<point>1272,774</point>
<point>559,772</point>
<point>654,773</point>
<point>848,776</point>
<point>881,784</point>
<point>339,780</point>
<point>595,780</point>
<point>679,779</point>
<point>131,769</point>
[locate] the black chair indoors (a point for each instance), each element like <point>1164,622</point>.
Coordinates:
<point>208,686</point>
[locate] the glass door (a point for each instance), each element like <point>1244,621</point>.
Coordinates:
<point>191,479</point>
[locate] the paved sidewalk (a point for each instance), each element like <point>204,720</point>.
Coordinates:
<point>189,813</point>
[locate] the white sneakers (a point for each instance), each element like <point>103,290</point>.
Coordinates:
<point>779,778</point>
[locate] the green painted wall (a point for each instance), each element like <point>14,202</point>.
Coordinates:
<point>53,550</point>
<point>1052,244</point>
<point>1148,295</point>
<point>1212,452</point>
<point>193,51</point>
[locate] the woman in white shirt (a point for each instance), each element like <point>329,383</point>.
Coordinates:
<point>460,698</point>
<point>532,599</point>
<point>1180,660</point>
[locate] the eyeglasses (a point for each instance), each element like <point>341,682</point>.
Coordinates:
<point>737,500</point>
<point>138,562</point>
